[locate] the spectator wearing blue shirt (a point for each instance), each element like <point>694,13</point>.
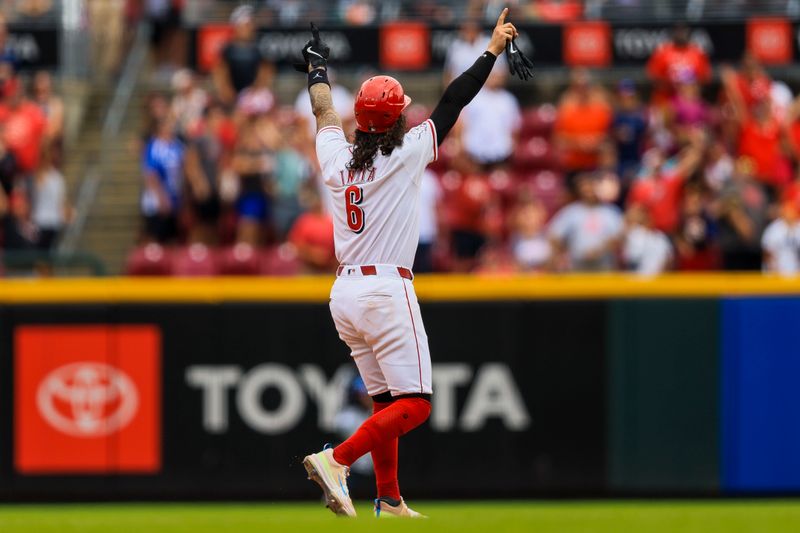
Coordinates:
<point>7,53</point>
<point>163,181</point>
<point>629,130</point>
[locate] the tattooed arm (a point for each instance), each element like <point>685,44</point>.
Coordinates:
<point>322,106</point>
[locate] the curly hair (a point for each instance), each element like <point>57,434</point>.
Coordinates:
<point>366,145</point>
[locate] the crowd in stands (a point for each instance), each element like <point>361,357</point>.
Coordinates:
<point>689,177</point>
<point>366,12</point>
<point>33,197</point>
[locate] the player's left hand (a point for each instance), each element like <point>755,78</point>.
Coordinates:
<point>315,53</point>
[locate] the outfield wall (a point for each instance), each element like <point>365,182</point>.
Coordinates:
<point>544,386</point>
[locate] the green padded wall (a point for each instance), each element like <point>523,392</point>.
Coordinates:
<point>664,395</point>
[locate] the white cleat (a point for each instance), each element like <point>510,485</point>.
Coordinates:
<point>389,508</point>
<point>332,478</point>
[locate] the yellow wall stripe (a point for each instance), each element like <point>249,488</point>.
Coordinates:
<point>429,288</point>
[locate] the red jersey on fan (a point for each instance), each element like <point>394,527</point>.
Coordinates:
<point>661,196</point>
<point>670,63</point>
<point>762,143</point>
<point>23,132</point>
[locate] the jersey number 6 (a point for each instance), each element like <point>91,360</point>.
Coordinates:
<point>355,215</point>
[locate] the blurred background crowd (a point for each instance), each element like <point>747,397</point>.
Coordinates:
<point>687,167</point>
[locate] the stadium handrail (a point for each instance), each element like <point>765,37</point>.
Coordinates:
<point>112,123</point>
<point>428,287</point>
<point>29,259</point>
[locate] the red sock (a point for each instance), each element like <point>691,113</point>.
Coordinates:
<point>384,426</point>
<point>384,459</point>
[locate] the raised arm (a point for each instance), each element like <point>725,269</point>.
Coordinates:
<point>463,89</point>
<point>322,105</point>
<point>315,63</point>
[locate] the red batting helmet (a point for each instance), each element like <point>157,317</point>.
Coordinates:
<point>379,103</point>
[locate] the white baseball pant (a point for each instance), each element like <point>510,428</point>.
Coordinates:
<point>378,317</point>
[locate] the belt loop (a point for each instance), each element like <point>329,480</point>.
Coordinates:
<point>369,270</point>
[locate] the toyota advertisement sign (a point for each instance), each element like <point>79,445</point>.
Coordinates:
<point>223,400</point>
<point>92,393</point>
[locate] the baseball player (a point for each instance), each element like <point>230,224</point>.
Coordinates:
<point>375,184</point>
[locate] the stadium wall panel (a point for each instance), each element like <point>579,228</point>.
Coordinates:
<point>761,396</point>
<point>568,386</point>
<point>664,396</point>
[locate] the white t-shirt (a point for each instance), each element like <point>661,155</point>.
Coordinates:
<point>646,251</point>
<point>342,102</point>
<point>430,196</point>
<point>48,201</point>
<point>461,55</point>
<point>489,125</point>
<point>782,241</point>
<point>376,212</point>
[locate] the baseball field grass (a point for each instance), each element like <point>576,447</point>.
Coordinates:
<point>728,516</point>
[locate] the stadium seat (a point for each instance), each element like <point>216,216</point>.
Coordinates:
<point>239,260</point>
<point>503,184</point>
<point>280,261</point>
<point>449,150</point>
<point>534,154</point>
<point>195,260</point>
<point>149,260</point>
<point>548,187</point>
<point>538,121</point>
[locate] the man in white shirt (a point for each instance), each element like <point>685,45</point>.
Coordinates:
<point>342,103</point>
<point>469,44</point>
<point>781,243</point>
<point>491,123</point>
<point>430,195</point>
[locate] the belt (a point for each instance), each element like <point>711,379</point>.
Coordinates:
<point>372,270</point>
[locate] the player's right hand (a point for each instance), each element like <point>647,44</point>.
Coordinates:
<point>503,33</point>
<point>315,52</point>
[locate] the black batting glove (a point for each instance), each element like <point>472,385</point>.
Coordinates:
<point>315,52</point>
<point>519,65</point>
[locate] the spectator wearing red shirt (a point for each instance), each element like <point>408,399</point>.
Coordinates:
<point>467,208</point>
<point>762,137</point>
<point>659,188</point>
<point>312,234</point>
<point>751,82</point>
<point>675,60</point>
<point>25,127</point>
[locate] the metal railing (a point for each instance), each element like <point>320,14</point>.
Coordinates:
<point>26,262</point>
<point>112,123</point>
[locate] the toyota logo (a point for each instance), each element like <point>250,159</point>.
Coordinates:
<point>87,399</point>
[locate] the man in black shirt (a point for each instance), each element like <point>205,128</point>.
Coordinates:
<point>241,62</point>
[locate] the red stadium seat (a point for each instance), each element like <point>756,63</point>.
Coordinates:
<point>195,260</point>
<point>534,154</point>
<point>548,187</point>
<point>503,184</point>
<point>149,260</point>
<point>239,260</point>
<point>538,121</point>
<point>280,261</point>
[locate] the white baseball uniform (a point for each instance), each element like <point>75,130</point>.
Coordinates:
<point>376,231</point>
